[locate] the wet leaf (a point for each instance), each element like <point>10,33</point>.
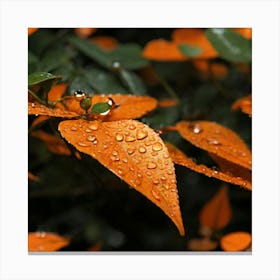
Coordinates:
<point>57,91</point>
<point>189,51</point>
<point>46,242</point>
<point>135,153</point>
<point>195,37</point>
<point>38,121</point>
<point>236,241</point>
<point>244,103</point>
<point>216,139</point>
<point>39,77</point>
<point>226,175</point>
<point>162,50</point>
<point>216,213</point>
<point>54,144</point>
<point>230,45</point>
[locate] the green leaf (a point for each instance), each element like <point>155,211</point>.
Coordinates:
<point>100,108</point>
<point>230,45</point>
<point>40,77</point>
<point>81,83</point>
<point>133,82</point>
<point>189,51</point>
<point>103,82</point>
<point>92,50</point>
<point>129,56</point>
<point>33,61</point>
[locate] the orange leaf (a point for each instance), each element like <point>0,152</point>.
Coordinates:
<point>180,158</point>
<point>207,69</point>
<point>194,37</point>
<point>216,213</point>
<point>244,103</point>
<point>167,102</point>
<point>38,120</point>
<point>216,139</point>
<point>35,108</point>
<point>236,241</point>
<point>245,32</point>
<point>162,50</point>
<point>33,177</point>
<point>57,91</point>
<point>106,42</point>
<point>135,153</point>
<point>85,32</point>
<point>32,30</point>
<point>46,242</point>
<point>54,143</point>
<point>202,244</point>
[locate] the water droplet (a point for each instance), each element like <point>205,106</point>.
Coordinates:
<point>139,175</point>
<point>120,171</point>
<point>116,65</point>
<point>155,194</point>
<point>115,153</point>
<point>157,147</point>
<point>148,173</point>
<point>141,134</point>
<point>212,141</point>
<point>244,184</point>
<point>105,146</point>
<point>131,168</point>
<point>130,138</point>
<point>142,149</point>
<point>156,181</point>
<point>41,234</point>
<point>74,128</point>
<point>93,126</point>
<point>137,182</point>
<point>166,156</point>
<point>91,138</point>
<point>33,105</point>
<point>215,169</point>
<point>114,158</point>
<point>151,165</point>
<point>125,160</point>
<point>95,142</point>
<point>166,187</point>
<point>194,160</point>
<point>82,144</point>
<point>169,172</point>
<point>131,126</point>
<point>163,178</point>
<point>87,130</point>
<point>154,154</point>
<point>173,181</point>
<point>130,151</point>
<point>119,137</point>
<point>196,128</point>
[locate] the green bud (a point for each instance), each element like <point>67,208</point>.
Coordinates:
<point>85,103</point>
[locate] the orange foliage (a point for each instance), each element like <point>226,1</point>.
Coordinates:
<point>33,177</point>
<point>245,32</point>
<point>54,143</point>
<point>207,69</point>
<point>57,91</point>
<point>244,103</point>
<point>163,50</point>
<point>39,120</point>
<point>236,241</point>
<point>167,102</point>
<point>105,42</point>
<point>216,213</point>
<point>216,139</point>
<point>180,158</point>
<point>31,30</point>
<point>125,148</point>
<point>46,242</point>
<point>85,32</point>
<point>194,37</point>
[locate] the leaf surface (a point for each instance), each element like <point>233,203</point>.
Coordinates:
<point>244,103</point>
<point>135,153</point>
<point>216,213</point>
<point>236,241</point>
<point>216,139</point>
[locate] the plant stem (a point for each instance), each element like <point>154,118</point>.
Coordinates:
<point>36,97</point>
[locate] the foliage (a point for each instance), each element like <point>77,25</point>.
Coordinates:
<point>117,110</point>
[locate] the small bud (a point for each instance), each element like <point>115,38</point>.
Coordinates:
<point>85,103</point>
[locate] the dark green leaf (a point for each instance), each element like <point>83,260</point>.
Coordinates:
<point>100,108</point>
<point>189,51</point>
<point>81,83</point>
<point>133,82</point>
<point>230,45</point>
<point>104,82</point>
<point>32,62</point>
<point>39,77</point>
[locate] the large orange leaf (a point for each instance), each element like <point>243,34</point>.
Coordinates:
<point>46,242</point>
<point>216,139</point>
<point>194,37</point>
<point>180,158</point>
<point>244,103</point>
<point>216,213</point>
<point>135,153</point>
<point>236,241</point>
<point>162,50</point>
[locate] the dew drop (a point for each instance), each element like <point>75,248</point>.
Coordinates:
<point>139,175</point>
<point>82,144</point>
<point>130,138</point>
<point>156,181</point>
<point>120,171</point>
<point>74,128</point>
<point>131,168</point>
<point>166,156</point>
<point>154,154</point>
<point>114,158</point>
<point>95,142</point>
<point>119,137</point>
<point>157,147</point>
<point>115,153</point>
<point>244,184</point>
<point>130,151</point>
<point>131,126</point>
<point>163,178</point>
<point>87,130</point>
<point>124,160</point>
<point>91,138</point>
<point>33,105</point>
<point>196,129</point>
<point>166,187</point>
<point>105,146</point>
<point>169,172</point>
<point>212,141</point>
<point>41,234</point>
<point>141,134</point>
<point>148,173</point>
<point>155,194</point>
<point>137,182</point>
<point>93,126</point>
<point>215,169</point>
<point>142,149</point>
<point>151,165</point>
<point>173,181</point>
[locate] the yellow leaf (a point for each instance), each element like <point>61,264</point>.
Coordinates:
<point>135,153</point>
